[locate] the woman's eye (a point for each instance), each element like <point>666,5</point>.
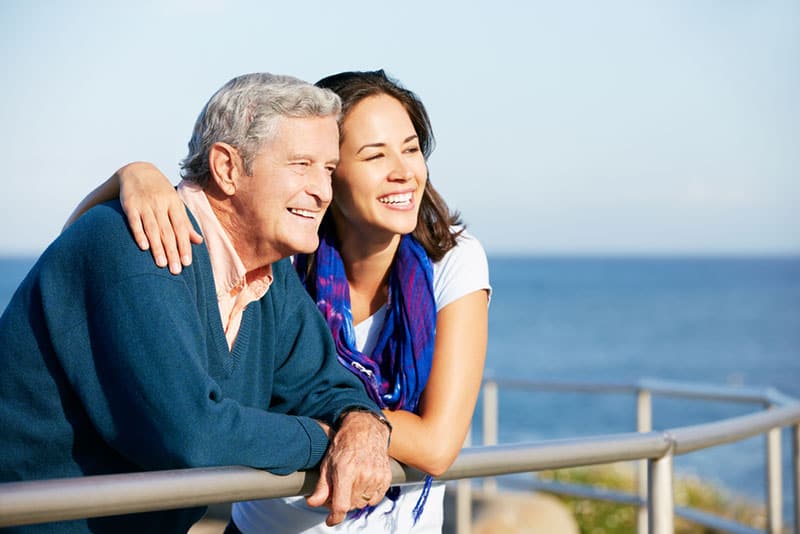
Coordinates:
<point>374,156</point>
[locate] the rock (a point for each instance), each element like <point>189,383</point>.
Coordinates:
<point>523,513</point>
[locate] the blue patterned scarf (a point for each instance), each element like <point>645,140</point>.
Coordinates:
<point>397,370</point>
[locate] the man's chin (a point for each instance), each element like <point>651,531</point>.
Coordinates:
<point>308,246</point>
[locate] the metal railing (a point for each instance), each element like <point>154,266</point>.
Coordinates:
<point>685,440</point>
<point>51,500</point>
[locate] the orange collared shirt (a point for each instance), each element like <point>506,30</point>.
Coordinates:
<point>236,288</point>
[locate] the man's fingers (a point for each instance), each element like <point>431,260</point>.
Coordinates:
<point>377,497</point>
<point>334,518</point>
<point>319,496</point>
<point>343,500</point>
<point>322,490</point>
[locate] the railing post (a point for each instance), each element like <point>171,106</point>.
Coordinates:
<point>464,498</point>
<point>796,475</point>
<point>644,423</point>
<point>774,483</point>
<point>490,411</point>
<point>660,504</point>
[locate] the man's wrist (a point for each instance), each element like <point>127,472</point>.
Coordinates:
<point>360,409</point>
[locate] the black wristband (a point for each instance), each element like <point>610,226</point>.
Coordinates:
<point>377,415</point>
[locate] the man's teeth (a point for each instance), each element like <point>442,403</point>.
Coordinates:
<point>402,198</point>
<point>302,213</point>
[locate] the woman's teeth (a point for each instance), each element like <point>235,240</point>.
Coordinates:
<point>402,198</point>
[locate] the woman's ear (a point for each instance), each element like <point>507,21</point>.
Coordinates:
<point>226,167</point>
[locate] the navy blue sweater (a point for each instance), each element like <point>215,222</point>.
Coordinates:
<point>112,365</point>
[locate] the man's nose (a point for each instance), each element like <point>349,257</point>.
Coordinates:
<point>320,186</point>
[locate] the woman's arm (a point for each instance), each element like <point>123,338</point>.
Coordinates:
<point>431,440</point>
<point>108,190</point>
<point>156,215</point>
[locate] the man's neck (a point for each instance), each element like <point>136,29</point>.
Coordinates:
<point>254,255</point>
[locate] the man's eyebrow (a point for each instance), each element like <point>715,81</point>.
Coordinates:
<point>309,157</point>
<point>378,145</point>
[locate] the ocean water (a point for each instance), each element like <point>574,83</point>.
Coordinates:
<point>709,320</point>
<point>723,321</point>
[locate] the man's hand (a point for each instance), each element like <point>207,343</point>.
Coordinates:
<point>325,428</point>
<point>355,471</point>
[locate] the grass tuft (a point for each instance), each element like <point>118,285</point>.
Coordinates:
<point>598,517</point>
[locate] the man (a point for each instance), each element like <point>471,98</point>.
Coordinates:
<point>111,365</point>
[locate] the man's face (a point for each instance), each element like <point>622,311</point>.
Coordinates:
<point>281,204</point>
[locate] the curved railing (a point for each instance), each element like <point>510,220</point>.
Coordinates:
<point>49,500</point>
<point>685,440</point>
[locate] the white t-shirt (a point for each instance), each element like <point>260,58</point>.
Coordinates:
<point>463,270</point>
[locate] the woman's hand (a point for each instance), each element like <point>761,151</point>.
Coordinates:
<point>156,215</point>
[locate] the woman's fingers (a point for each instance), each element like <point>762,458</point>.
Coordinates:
<point>169,242</point>
<point>137,229</point>
<point>153,235</point>
<point>184,233</point>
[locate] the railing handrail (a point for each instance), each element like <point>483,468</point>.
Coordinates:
<point>656,386</point>
<point>51,500</point>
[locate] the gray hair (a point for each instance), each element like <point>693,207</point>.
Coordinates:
<point>245,114</point>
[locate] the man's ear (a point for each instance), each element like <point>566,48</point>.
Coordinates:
<point>226,167</point>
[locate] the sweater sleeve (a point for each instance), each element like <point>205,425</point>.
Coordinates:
<point>310,380</point>
<point>148,393</point>
<point>137,356</point>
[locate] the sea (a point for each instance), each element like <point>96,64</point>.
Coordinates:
<point>701,320</point>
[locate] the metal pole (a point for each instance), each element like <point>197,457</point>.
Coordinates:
<point>660,503</point>
<point>774,483</point>
<point>644,423</point>
<point>464,498</point>
<point>490,411</point>
<point>796,475</point>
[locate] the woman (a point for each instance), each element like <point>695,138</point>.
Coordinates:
<point>404,289</point>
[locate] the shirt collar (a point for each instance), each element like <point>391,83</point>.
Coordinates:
<point>230,275</point>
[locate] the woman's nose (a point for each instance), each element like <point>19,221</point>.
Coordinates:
<point>401,171</point>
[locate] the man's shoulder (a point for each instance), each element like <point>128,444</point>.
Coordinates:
<point>100,244</point>
<point>98,225</point>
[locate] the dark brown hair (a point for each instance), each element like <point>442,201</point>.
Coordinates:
<point>435,219</point>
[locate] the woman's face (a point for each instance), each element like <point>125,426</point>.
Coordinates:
<point>381,175</point>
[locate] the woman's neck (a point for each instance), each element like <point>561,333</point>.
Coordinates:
<point>367,265</point>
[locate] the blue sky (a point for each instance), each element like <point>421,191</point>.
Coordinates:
<point>562,127</point>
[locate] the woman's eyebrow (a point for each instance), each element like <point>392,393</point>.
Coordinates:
<point>371,145</point>
<point>379,145</point>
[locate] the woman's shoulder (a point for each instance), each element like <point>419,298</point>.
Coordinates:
<point>462,270</point>
<point>467,248</point>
